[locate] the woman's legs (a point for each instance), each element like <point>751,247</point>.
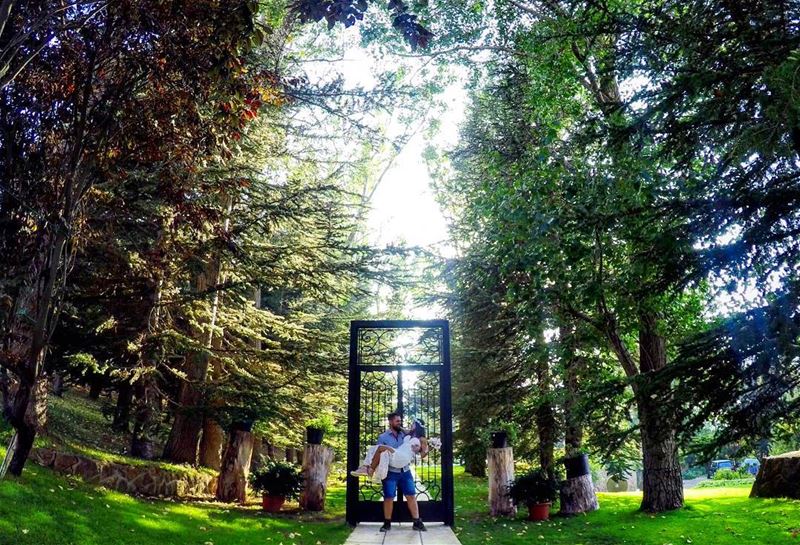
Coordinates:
<point>376,457</point>
<point>371,461</point>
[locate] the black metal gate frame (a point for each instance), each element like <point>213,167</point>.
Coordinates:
<point>361,511</point>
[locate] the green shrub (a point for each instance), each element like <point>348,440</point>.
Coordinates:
<point>732,483</point>
<point>274,478</point>
<point>730,474</point>
<point>533,487</point>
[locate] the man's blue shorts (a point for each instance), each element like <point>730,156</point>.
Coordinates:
<point>403,479</point>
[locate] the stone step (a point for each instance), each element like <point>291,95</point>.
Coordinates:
<point>368,533</point>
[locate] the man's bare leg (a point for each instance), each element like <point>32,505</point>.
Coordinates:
<point>388,506</point>
<point>413,508</point>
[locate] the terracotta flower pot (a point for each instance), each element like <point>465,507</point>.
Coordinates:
<point>272,504</point>
<point>539,511</point>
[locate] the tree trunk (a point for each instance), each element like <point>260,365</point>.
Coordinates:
<point>232,482</point>
<point>317,461</point>
<point>546,424</point>
<point>95,386</point>
<point>27,414</point>
<point>270,451</point>
<point>34,421</point>
<point>211,444</point>
<point>501,473</point>
<point>122,411</point>
<point>25,436</point>
<point>184,437</point>
<point>145,418</point>
<point>545,418</point>
<point>663,482</point>
<point>58,384</point>
<point>578,494</point>
<point>5,391</point>
<point>27,339</point>
<point>475,465</point>
<point>36,415</point>
<point>573,363</point>
<point>213,437</point>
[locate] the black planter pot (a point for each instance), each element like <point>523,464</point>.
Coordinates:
<point>577,466</point>
<point>242,425</point>
<point>499,439</point>
<point>314,435</point>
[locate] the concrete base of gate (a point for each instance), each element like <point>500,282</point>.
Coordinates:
<point>368,533</point>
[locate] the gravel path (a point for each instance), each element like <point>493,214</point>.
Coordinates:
<point>691,483</point>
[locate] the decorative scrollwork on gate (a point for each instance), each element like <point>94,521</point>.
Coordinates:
<point>400,346</point>
<point>421,401</point>
<point>378,398</point>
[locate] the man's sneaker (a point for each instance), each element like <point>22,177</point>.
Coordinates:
<point>386,526</point>
<point>419,526</point>
<point>360,472</point>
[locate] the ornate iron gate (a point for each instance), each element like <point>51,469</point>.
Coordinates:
<point>404,366</point>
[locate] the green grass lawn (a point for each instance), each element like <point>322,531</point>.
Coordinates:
<point>41,508</point>
<point>44,509</point>
<point>716,516</point>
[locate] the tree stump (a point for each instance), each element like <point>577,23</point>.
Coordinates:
<point>501,472</point>
<point>317,461</point>
<point>578,496</point>
<point>778,477</point>
<point>232,483</point>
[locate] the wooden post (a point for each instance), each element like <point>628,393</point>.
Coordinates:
<point>501,472</point>
<point>317,461</point>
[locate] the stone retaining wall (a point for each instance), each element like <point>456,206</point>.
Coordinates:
<point>145,480</point>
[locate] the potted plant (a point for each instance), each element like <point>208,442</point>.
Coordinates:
<point>276,482</point>
<point>317,427</point>
<point>537,490</point>
<point>503,434</point>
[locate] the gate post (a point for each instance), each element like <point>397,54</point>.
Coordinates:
<point>353,401</point>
